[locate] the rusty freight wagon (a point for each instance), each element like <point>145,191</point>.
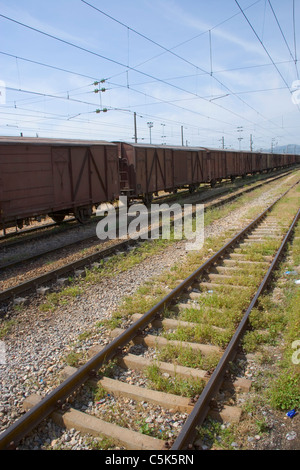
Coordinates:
<point>147,169</point>
<point>55,177</point>
<point>226,164</point>
<point>230,164</point>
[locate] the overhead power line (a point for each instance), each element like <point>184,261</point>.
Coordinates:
<point>94,77</point>
<point>47,95</point>
<point>60,69</point>
<point>283,35</point>
<point>180,57</point>
<point>262,44</point>
<point>83,49</point>
<point>111,108</point>
<point>191,39</point>
<point>135,70</point>
<point>294,26</point>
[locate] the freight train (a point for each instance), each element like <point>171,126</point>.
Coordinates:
<point>59,177</point>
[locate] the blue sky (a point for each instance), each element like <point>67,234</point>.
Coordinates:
<point>206,67</point>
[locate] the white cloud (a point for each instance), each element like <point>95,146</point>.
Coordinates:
<point>173,10</point>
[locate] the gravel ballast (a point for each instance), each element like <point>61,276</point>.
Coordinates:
<point>39,340</point>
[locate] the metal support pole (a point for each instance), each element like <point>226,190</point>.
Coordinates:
<point>135,129</point>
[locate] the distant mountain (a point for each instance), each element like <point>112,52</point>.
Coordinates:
<point>291,148</point>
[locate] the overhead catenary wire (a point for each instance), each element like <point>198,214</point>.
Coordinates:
<point>108,59</point>
<point>92,130</point>
<point>283,35</point>
<point>262,44</point>
<point>207,98</point>
<point>190,39</point>
<point>178,56</point>
<point>180,77</point>
<point>89,103</point>
<point>51,96</point>
<point>111,108</point>
<point>94,78</point>
<point>294,27</point>
<point>121,64</point>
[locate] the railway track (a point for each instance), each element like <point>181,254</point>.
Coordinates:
<point>76,267</point>
<point>244,265</point>
<point>45,230</point>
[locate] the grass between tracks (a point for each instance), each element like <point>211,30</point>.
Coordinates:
<point>213,309</point>
<point>273,337</point>
<point>151,292</point>
<point>276,322</point>
<point>120,263</point>
<point>224,311</point>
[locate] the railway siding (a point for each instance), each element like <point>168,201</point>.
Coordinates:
<point>76,262</point>
<point>263,255</point>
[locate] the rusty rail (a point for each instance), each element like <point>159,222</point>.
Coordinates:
<point>10,437</point>
<point>199,412</point>
<point>69,268</point>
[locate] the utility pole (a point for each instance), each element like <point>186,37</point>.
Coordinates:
<point>240,129</point>
<point>182,136</point>
<point>150,125</point>
<point>135,129</point>
<point>163,136</point>
<point>251,143</point>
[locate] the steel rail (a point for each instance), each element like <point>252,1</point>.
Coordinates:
<point>201,407</point>
<point>12,264</point>
<point>32,418</point>
<point>66,269</point>
<point>89,259</point>
<point>30,230</point>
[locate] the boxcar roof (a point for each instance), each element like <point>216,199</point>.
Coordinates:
<point>175,147</point>
<point>180,147</point>
<point>51,141</point>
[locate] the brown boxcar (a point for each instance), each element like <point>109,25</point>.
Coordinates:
<point>226,164</point>
<point>55,177</point>
<point>216,162</point>
<point>147,169</point>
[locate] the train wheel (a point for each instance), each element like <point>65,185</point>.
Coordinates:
<point>213,183</point>
<point>57,218</point>
<point>192,188</point>
<point>83,214</point>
